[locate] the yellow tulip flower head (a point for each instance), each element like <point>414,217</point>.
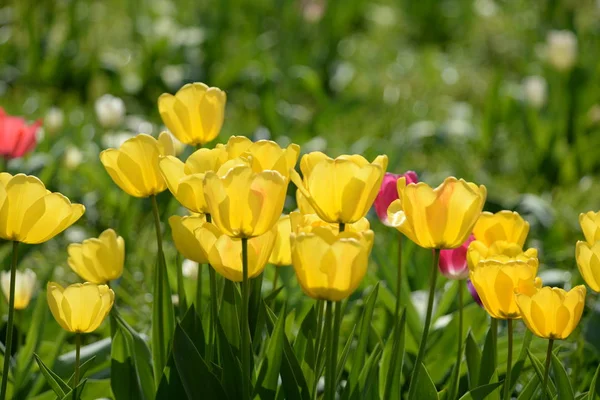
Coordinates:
<point>552,313</point>
<point>340,190</point>
<point>24,286</point>
<point>195,113</point>
<point>98,260</point>
<point>81,307</point>
<point>590,225</point>
<point>478,251</point>
<point>186,242</point>
<point>29,213</point>
<point>504,225</point>
<point>225,252</point>
<point>440,218</point>
<point>306,222</point>
<point>134,166</point>
<point>497,281</point>
<point>282,252</point>
<point>244,203</point>
<point>303,204</point>
<point>588,262</point>
<point>330,265</point>
<point>264,154</point>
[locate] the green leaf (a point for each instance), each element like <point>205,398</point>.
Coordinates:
<point>266,383</point>
<point>192,325</point>
<point>304,346</point>
<point>193,371</point>
<point>74,394</point>
<point>228,313</point>
<point>520,363</point>
<point>563,384</point>
<point>595,386</point>
<point>473,356</point>
<point>163,318</point>
<point>426,389</point>
<point>54,381</point>
<point>32,340</point>
<point>273,294</point>
<point>231,375</point>
<point>83,369</point>
<point>393,355</point>
<point>344,356</point>
<point>446,301</point>
<point>170,386</point>
<point>488,358</point>
<point>481,392</point>
<point>530,389</point>
<point>539,370</point>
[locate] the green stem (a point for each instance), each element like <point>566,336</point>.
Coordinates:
<point>158,293</point>
<point>213,314</point>
<point>11,321</point>
<point>180,288</point>
<point>460,337</point>
<point>330,370</point>
<point>494,328</point>
<point>547,368</point>
<point>421,354</point>
<point>508,360</point>
<point>77,355</point>
<point>318,345</point>
<point>275,279</point>
<point>199,288</point>
<point>246,345</point>
<point>399,278</point>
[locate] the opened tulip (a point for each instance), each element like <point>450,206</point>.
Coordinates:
<point>98,260</point>
<point>282,253</point>
<point>303,204</point>
<point>134,165</point>
<point>453,262</point>
<point>186,242</point>
<point>16,136</point>
<point>81,307</point>
<point>340,190</point>
<point>505,225</point>
<point>590,225</point>
<point>244,203</point>
<point>440,218</point>
<point>497,282</point>
<point>264,154</point>
<point>29,213</point>
<point>588,262</point>
<point>389,192</point>
<point>195,113</point>
<point>330,265</point>
<point>550,312</point>
<point>24,286</point>
<point>498,250</point>
<point>306,222</point>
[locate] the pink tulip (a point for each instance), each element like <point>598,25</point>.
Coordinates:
<point>474,293</point>
<point>16,137</point>
<point>388,192</point>
<point>453,262</point>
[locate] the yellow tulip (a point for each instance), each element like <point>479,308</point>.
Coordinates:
<point>31,214</point>
<point>303,204</point>
<point>496,283</point>
<point>134,166</point>
<point>440,218</point>
<point>244,203</point>
<point>264,154</point>
<point>588,262</point>
<point>195,113</point>
<point>98,260</point>
<point>306,222</point>
<point>340,190</point>
<point>552,313</point>
<point>282,252</point>
<point>185,240</point>
<point>505,225</point>
<point>81,307</point>
<point>330,266</point>
<point>499,250</point>
<point>24,286</point>
<point>590,225</point>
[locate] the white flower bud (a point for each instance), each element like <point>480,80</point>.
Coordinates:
<point>73,157</point>
<point>54,120</point>
<point>110,111</point>
<point>24,286</point>
<point>561,49</point>
<point>535,90</point>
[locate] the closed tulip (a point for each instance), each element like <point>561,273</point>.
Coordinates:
<point>497,282</point>
<point>340,190</point>
<point>552,313</point>
<point>80,308</point>
<point>194,114</point>
<point>505,225</point>
<point>29,213</point>
<point>264,154</point>
<point>98,260</point>
<point>24,286</point>
<point>588,262</point>
<point>244,203</point>
<point>16,137</point>
<point>282,253</point>
<point>453,262</point>
<point>306,222</point>
<point>440,218</point>
<point>330,265</point>
<point>389,192</point>
<point>134,165</point>
<point>498,250</point>
<point>590,225</point>
<point>186,242</point>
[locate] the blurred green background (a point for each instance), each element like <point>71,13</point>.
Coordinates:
<point>502,93</point>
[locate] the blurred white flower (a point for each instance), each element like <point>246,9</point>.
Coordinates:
<point>189,269</point>
<point>115,140</point>
<point>54,120</point>
<point>110,111</point>
<point>561,49</point>
<point>175,299</point>
<point>535,90</point>
<point>172,75</point>
<point>73,157</point>
<point>24,286</point>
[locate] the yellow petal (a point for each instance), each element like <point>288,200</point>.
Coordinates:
<point>588,262</point>
<point>282,252</point>
<point>185,239</point>
<point>55,296</point>
<point>172,170</point>
<point>22,191</point>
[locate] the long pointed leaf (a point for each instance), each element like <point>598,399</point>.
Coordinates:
<point>54,381</point>
<point>563,384</point>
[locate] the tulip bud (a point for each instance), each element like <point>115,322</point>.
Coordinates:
<point>24,285</point>
<point>388,192</point>
<point>535,89</point>
<point>453,262</point>
<point>16,137</point>
<point>110,111</point>
<point>561,49</point>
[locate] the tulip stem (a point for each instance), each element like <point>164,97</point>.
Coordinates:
<point>399,278</point>
<point>508,360</point>
<point>246,384</point>
<point>318,345</point>
<point>275,279</point>
<point>547,368</point>
<point>77,354</point>
<point>421,354</point>
<point>460,338</point>
<point>11,321</point>
<point>331,323</point>
<point>199,288</point>
<point>494,329</point>
<point>180,288</point>
<point>213,314</point>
